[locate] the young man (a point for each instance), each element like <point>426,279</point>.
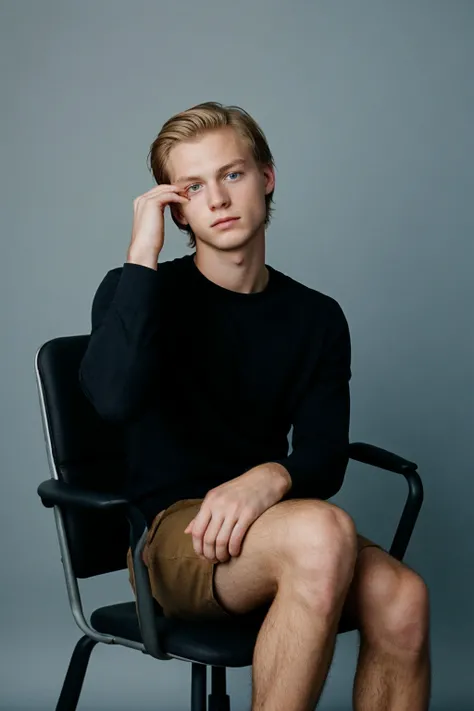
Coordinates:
<point>207,361</point>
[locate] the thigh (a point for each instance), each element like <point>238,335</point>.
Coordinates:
<point>249,582</point>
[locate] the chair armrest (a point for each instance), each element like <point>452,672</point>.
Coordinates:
<point>383,459</point>
<point>54,492</point>
<point>145,602</point>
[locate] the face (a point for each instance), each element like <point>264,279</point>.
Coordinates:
<point>219,175</point>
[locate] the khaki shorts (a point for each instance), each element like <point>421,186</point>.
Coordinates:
<point>181,582</point>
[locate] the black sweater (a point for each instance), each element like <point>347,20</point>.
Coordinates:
<point>206,382</point>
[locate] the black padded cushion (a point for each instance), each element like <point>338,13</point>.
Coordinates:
<point>206,641</point>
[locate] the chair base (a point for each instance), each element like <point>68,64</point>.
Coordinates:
<point>217,700</point>
<point>75,674</point>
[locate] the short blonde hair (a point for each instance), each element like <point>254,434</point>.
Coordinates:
<point>194,122</point>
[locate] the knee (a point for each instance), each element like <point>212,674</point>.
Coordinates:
<point>403,610</point>
<point>320,538</point>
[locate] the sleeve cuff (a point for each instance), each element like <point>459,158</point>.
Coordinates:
<point>138,285</point>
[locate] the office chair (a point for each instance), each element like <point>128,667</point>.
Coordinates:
<point>96,524</point>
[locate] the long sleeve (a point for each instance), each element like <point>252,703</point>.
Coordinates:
<point>121,360</point>
<point>319,457</point>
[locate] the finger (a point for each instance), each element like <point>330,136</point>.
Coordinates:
<point>237,536</point>
<point>181,191</point>
<point>223,538</point>
<point>169,197</point>
<point>209,539</point>
<point>189,527</point>
<point>199,527</point>
<point>162,188</point>
<point>178,196</point>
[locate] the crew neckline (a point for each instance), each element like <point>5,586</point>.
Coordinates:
<point>222,292</point>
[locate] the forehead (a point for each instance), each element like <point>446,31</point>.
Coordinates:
<point>207,153</point>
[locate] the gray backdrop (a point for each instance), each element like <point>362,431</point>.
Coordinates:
<point>368,107</point>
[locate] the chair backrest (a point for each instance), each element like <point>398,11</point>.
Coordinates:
<point>83,450</point>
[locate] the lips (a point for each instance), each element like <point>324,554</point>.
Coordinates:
<point>224,219</point>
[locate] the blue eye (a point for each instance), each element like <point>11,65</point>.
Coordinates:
<point>194,184</point>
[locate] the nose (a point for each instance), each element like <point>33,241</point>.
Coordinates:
<point>217,197</point>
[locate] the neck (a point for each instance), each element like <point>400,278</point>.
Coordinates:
<point>243,271</point>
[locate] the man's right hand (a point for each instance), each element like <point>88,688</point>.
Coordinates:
<point>148,230</point>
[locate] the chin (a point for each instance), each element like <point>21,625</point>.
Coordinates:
<point>233,242</point>
<point>230,240</point>
<point>225,240</point>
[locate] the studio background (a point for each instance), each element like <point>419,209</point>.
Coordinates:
<point>368,109</point>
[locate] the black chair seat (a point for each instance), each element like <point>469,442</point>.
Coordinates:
<point>227,643</point>
<point>214,642</point>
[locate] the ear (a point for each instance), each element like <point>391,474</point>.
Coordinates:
<point>268,178</point>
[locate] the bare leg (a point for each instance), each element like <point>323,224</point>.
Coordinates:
<point>387,681</point>
<point>296,642</point>
<point>301,557</point>
<point>389,604</point>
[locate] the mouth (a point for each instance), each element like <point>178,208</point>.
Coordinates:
<point>225,222</point>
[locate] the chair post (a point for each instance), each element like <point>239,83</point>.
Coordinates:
<point>75,674</point>
<point>218,700</point>
<point>198,687</point>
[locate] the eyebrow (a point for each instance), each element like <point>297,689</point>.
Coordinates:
<point>237,161</point>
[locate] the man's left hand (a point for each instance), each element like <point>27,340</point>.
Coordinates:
<point>228,510</point>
